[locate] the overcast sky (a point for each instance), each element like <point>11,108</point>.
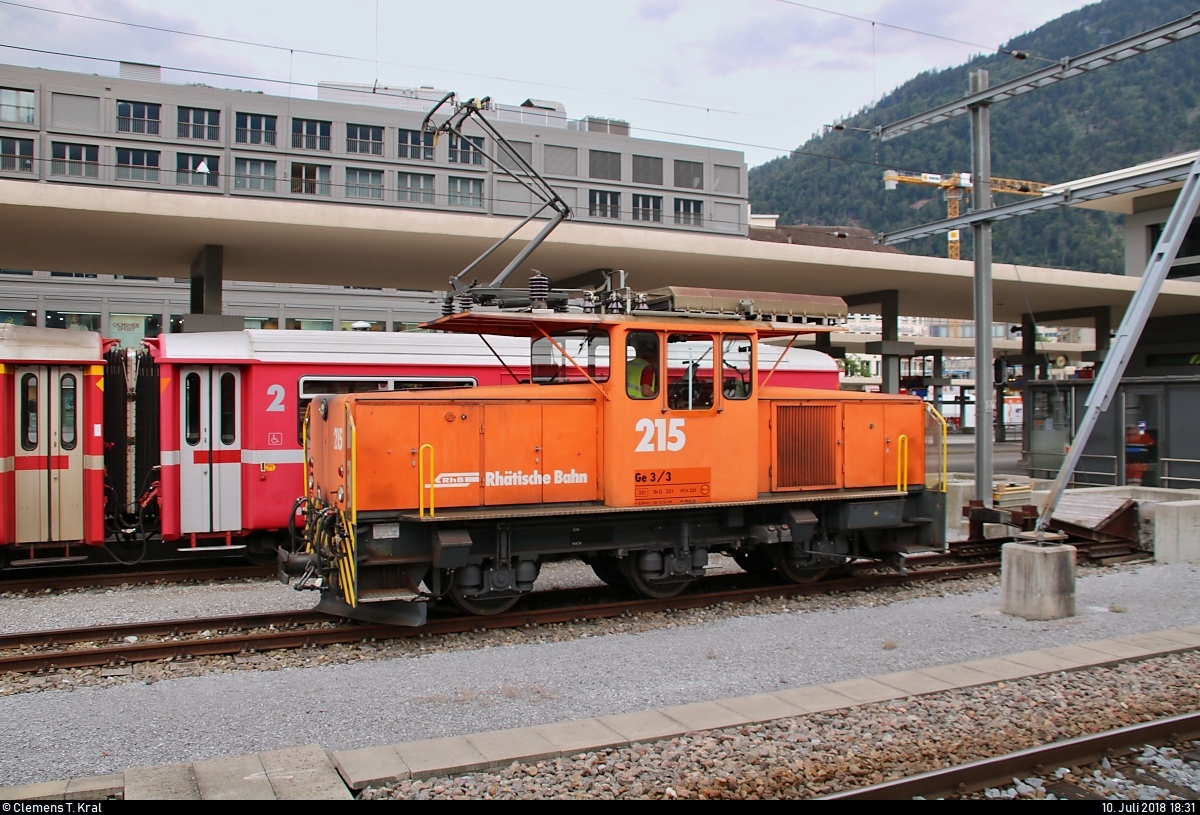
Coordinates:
<point>759,75</point>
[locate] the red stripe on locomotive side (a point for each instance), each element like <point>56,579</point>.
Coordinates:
<point>217,457</point>
<point>42,463</point>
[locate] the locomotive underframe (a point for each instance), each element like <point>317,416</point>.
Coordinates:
<point>483,558</point>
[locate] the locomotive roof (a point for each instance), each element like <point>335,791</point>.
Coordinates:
<point>19,343</point>
<point>531,324</point>
<point>361,347</point>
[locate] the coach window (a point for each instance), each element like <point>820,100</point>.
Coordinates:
<point>690,361</point>
<point>191,398</point>
<point>66,409</point>
<point>29,412</point>
<point>642,364</point>
<point>228,409</point>
<point>737,366</point>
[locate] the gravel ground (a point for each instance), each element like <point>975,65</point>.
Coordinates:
<point>531,676</point>
<point>829,752</point>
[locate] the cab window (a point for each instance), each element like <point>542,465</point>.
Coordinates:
<point>642,362</point>
<point>569,357</point>
<point>690,361</point>
<point>737,366</point>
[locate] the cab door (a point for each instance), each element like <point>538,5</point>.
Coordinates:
<point>49,455</point>
<point>210,467</point>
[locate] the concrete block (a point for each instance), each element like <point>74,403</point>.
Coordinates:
<point>959,676</point>
<point>1000,668</point>
<point>440,757</point>
<point>45,791</point>
<point>914,683</point>
<point>762,708</point>
<point>370,765</point>
<point>503,747</point>
<point>815,699</point>
<point>303,774</point>
<point>170,782</point>
<point>1040,662</point>
<point>643,726</point>
<point>1037,582</point>
<point>704,716</point>
<point>233,778</point>
<point>95,788</point>
<point>1178,635</point>
<point>864,691</point>
<point>1151,643</point>
<point>582,736</point>
<point>1177,532</point>
<point>1121,650</point>
<point>1082,655</point>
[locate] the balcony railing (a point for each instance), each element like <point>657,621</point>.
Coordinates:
<point>373,148</point>
<point>129,172</point>
<point>689,218</point>
<point>307,186</point>
<point>245,135</point>
<point>16,164</point>
<point>604,211</point>
<point>254,182</point>
<point>187,130</point>
<point>309,141</point>
<point>191,178</point>
<point>70,167</point>
<point>128,124</point>
<point>647,214</point>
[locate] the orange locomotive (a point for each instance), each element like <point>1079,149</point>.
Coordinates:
<point>642,444</point>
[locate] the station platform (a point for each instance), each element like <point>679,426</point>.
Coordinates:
<point>310,772</point>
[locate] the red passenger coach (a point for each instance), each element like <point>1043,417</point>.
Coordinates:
<point>232,408</point>
<point>51,439</point>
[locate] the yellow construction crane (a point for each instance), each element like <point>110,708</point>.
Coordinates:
<point>955,188</point>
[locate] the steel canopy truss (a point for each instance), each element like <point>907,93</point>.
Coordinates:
<point>1065,69</point>
<point>1103,189</point>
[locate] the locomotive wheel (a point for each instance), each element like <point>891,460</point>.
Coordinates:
<point>655,591</point>
<point>484,608</point>
<point>608,569</point>
<point>793,572</point>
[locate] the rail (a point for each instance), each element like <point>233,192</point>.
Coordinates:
<point>1098,473</point>
<point>421,485</point>
<point>1167,478</point>
<point>902,463</point>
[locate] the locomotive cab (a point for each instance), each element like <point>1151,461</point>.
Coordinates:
<point>641,443</point>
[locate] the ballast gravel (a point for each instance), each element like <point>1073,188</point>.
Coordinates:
<point>513,679</point>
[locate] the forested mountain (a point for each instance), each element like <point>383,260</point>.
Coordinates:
<point>1140,109</point>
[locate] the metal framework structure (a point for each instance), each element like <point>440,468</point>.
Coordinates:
<point>1065,69</point>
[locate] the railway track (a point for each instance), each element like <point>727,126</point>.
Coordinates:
<point>50,580</point>
<point>1000,770</point>
<point>99,646</point>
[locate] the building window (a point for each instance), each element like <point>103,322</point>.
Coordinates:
<point>689,212</point>
<point>466,150</point>
<point>198,123</point>
<point>16,155</point>
<point>466,192</point>
<point>603,204</point>
<point>364,139</point>
<point>561,160</point>
<point>137,165</point>
<point>310,179</point>
<point>254,128</point>
<point>416,144</point>
<point>253,174</point>
<point>414,187</point>
<point>81,160</point>
<point>364,184</point>
<point>16,106</point>
<point>647,208</point>
<point>647,170</point>
<point>310,134</point>
<point>689,174</point>
<point>194,170</point>
<point>137,117</point>
<point>603,164</point>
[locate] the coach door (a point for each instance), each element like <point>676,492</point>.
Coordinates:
<point>210,466</point>
<point>49,454</point>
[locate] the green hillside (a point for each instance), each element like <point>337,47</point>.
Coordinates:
<point>1134,111</point>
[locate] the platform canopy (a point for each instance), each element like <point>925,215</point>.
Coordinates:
<point>87,229</point>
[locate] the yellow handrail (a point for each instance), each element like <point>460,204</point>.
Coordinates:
<point>421,479</point>
<point>348,565</point>
<point>902,463</point>
<point>945,445</point>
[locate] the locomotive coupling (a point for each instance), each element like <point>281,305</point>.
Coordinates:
<point>301,564</point>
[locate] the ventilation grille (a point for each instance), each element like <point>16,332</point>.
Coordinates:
<point>806,436</point>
